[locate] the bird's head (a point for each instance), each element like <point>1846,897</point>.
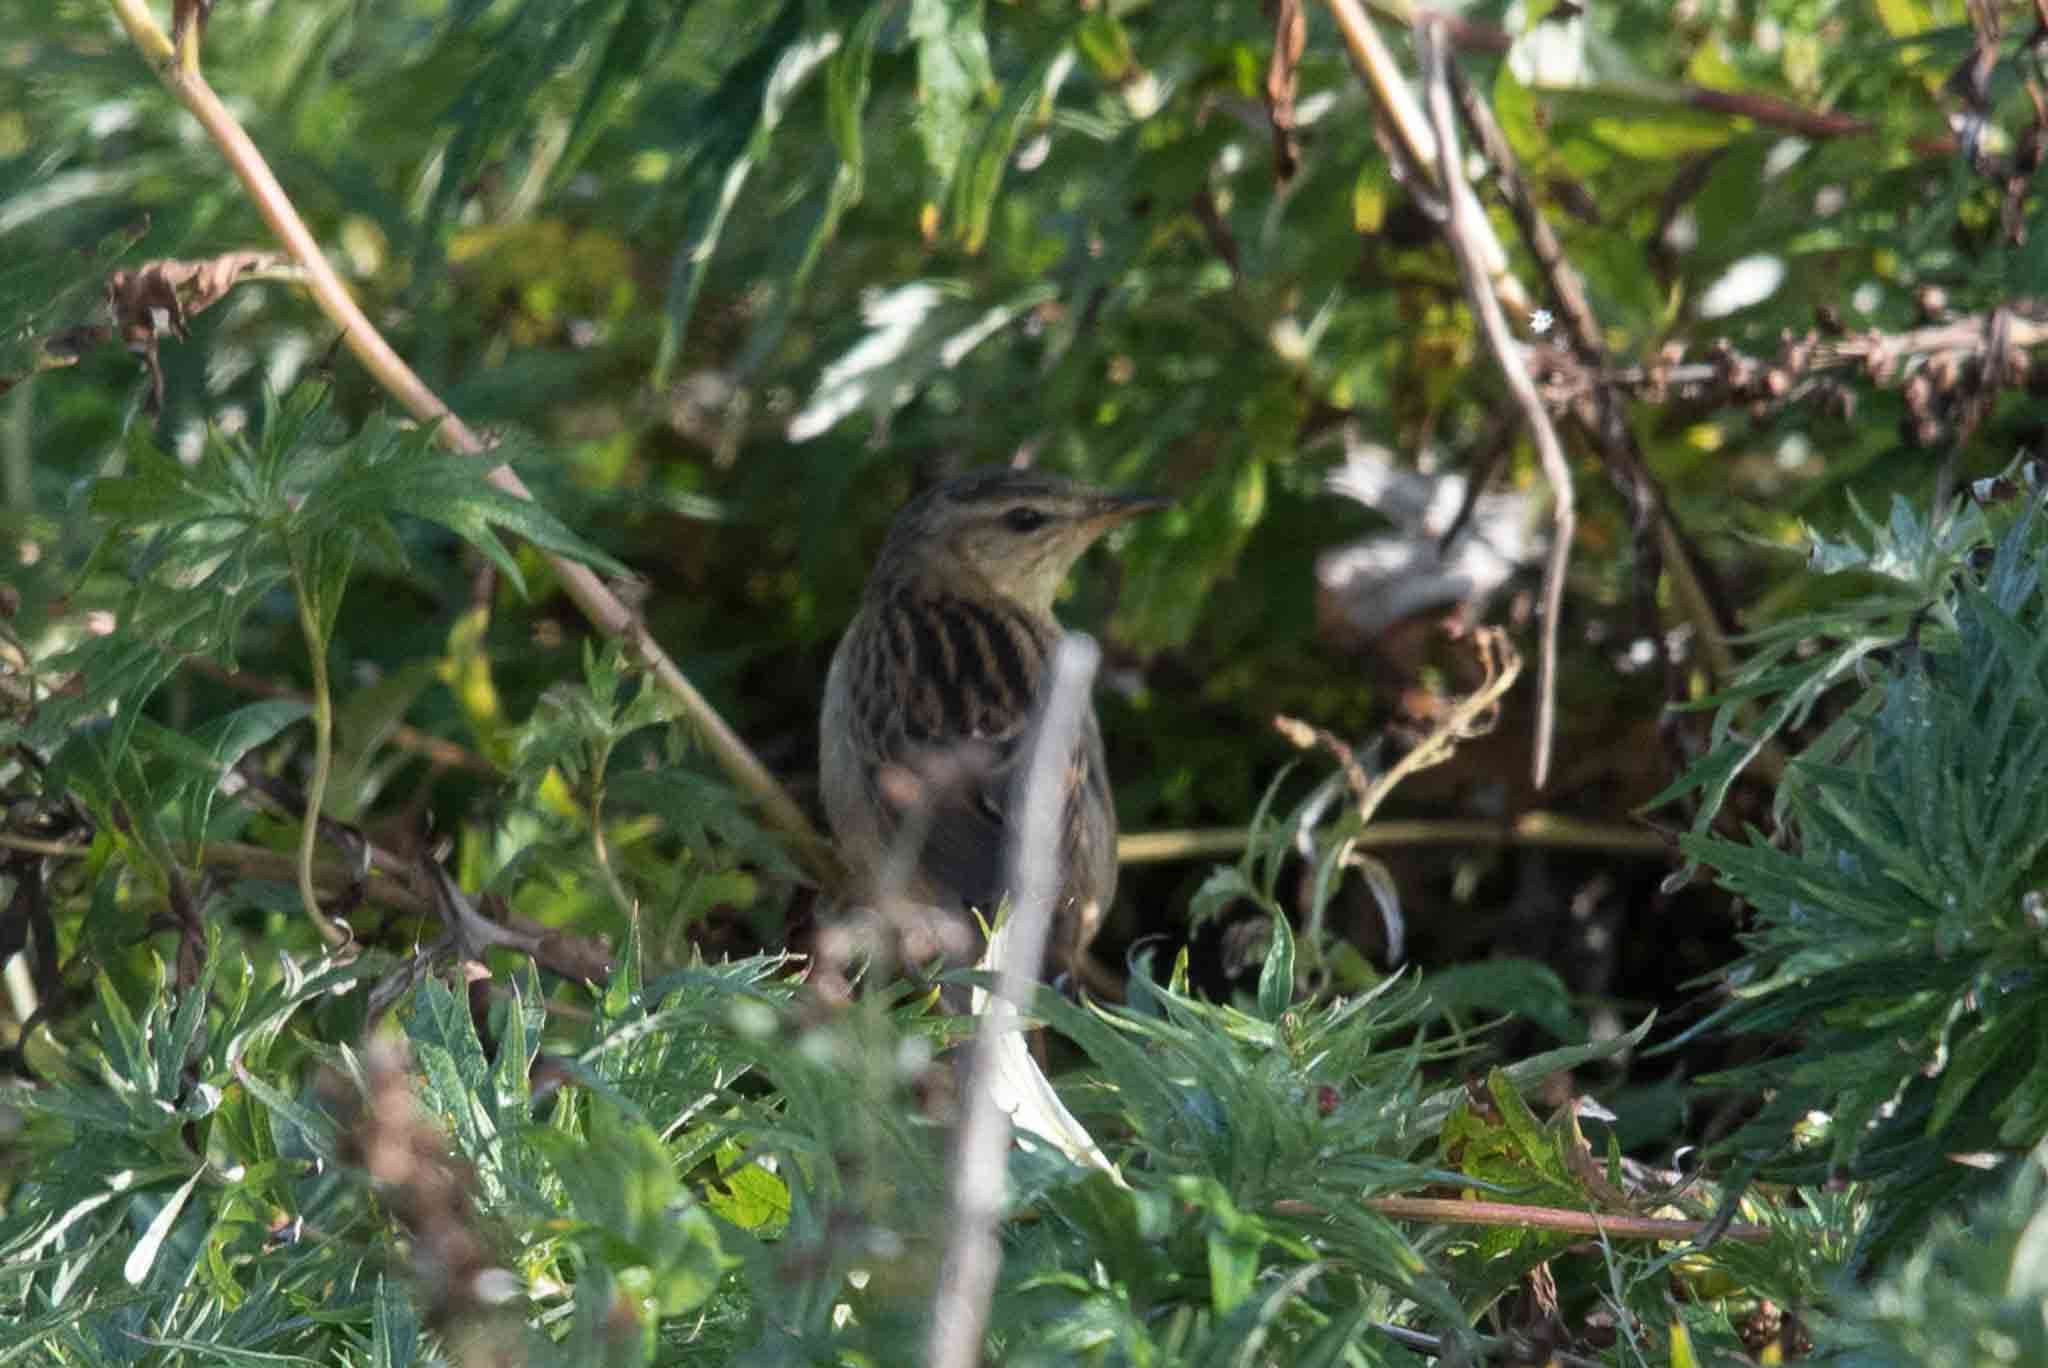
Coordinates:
<point>1016,532</point>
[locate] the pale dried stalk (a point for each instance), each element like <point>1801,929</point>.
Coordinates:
<point>1462,229</point>
<point>1551,830</point>
<point>967,1278</point>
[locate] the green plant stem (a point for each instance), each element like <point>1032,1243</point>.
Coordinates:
<point>599,605</point>
<point>601,850</point>
<point>323,760</point>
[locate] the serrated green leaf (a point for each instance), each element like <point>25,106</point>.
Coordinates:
<point>439,1020</point>
<point>748,1195</point>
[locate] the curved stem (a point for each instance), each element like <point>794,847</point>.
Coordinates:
<point>323,759</point>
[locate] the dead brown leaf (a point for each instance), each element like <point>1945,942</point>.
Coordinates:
<point>1283,79</point>
<point>162,296</point>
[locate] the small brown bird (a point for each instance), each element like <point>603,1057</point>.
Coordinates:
<point>931,698</point>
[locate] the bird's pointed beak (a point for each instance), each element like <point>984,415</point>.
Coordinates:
<point>1122,506</point>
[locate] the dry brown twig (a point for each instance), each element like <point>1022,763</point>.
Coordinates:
<point>1597,408</point>
<point>1283,78</point>
<point>1414,144</point>
<point>1428,142</point>
<point>1944,351</point>
<point>1455,1211</point>
<point>1471,716</point>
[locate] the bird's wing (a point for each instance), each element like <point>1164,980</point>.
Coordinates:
<point>971,672</point>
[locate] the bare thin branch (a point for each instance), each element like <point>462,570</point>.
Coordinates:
<point>1414,141</point>
<point>1452,1211</point>
<point>1461,230</point>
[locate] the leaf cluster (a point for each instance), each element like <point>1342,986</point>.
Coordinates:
<point>1898,937</point>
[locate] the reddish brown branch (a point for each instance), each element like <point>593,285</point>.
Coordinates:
<point>1449,1211</point>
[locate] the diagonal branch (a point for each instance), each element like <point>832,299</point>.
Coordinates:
<point>599,605</point>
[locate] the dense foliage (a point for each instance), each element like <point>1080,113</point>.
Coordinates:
<point>517,1052</point>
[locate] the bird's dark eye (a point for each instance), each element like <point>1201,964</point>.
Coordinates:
<point>1024,519</point>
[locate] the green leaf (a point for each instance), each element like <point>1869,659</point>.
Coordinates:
<point>748,1195</point>
<point>953,72</point>
<point>440,1022</point>
<point>143,1257</point>
<point>1429,1115</point>
<point>632,1211</point>
<point>317,1130</point>
<point>709,815</point>
<point>1233,1240</point>
<point>980,175</point>
<point>1509,987</point>
<point>224,742</point>
<point>1225,885</point>
<point>1276,975</point>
